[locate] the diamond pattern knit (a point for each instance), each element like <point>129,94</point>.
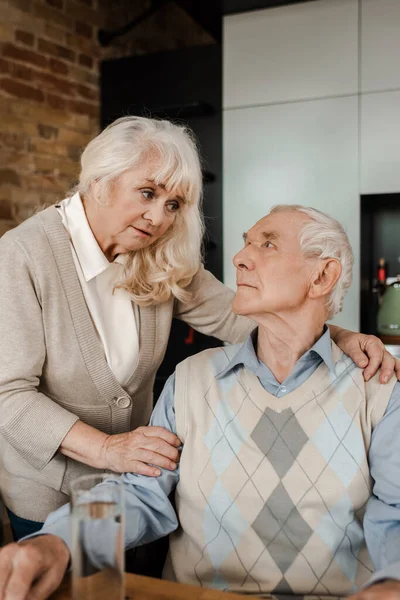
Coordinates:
<point>272,491</point>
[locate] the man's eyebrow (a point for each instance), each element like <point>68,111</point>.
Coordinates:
<point>270,235</point>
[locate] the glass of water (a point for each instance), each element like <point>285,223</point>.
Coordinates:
<point>97,538</point>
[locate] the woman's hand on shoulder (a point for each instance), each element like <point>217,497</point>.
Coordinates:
<point>141,451</point>
<point>32,569</point>
<point>368,352</point>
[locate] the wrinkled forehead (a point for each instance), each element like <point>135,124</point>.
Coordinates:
<point>283,228</point>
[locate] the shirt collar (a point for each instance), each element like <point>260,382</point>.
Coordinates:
<point>246,355</point>
<point>323,347</point>
<point>89,254</point>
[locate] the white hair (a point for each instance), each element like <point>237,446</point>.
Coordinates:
<point>167,266</point>
<point>324,237</point>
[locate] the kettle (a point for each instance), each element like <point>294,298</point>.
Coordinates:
<point>388,320</point>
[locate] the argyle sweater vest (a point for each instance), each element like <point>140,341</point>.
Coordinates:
<point>272,491</point>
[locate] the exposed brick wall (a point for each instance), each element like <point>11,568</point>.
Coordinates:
<point>49,87</point>
<point>49,99</point>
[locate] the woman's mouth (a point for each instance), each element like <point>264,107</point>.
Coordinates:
<point>141,232</point>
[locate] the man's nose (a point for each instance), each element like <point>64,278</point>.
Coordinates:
<point>243,261</point>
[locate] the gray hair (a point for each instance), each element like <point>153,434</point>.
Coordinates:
<point>129,140</point>
<point>324,237</point>
<point>166,267</point>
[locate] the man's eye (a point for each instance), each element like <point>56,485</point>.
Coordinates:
<point>148,194</point>
<point>268,245</point>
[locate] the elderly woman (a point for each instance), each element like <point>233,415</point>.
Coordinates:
<point>88,291</point>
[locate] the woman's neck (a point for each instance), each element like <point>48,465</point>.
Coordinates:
<point>94,219</point>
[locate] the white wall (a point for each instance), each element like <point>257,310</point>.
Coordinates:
<point>302,153</point>
<point>380,141</point>
<point>290,53</point>
<point>380,100</point>
<point>380,50</point>
<point>300,121</point>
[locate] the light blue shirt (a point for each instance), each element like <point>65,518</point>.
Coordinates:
<point>150,515</point>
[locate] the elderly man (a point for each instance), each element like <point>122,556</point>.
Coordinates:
<point>289,479</point>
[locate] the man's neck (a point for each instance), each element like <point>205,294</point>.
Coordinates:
<point>281,343</point>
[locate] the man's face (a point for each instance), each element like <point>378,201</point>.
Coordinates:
<point>272,274</point>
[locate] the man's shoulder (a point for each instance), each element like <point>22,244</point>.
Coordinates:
<point>341,360</point>
<point>373,387</point>
<point>376,394</point>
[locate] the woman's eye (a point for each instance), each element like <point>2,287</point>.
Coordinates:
<point>148,194</point>
<point>173,206</point>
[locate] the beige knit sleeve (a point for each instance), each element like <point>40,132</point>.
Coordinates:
<point>210,310</point>
<point>30,421</point>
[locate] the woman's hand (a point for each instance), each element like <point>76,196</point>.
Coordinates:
<point>123,452</point>
<point>368,352</point>
<point>32,569</point>
<point>133,450</point>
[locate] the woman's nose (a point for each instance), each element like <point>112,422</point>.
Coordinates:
<point>155,214</point>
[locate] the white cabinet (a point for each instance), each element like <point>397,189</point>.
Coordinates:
<point>380,45</point>
<point>290,53</point>
<point>295,128</point>
<point>380,143</point>
<point>302,153</point>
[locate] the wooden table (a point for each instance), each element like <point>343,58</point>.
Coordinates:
<point>146,588</point>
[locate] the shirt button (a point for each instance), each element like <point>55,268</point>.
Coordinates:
<point>283,389</point>
<point>122,402</point>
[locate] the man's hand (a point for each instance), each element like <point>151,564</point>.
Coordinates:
<point>33,569</point>
<point>368,352</point>
<point>387,590</point>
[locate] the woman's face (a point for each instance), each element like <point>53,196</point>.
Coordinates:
<point>137,213</point>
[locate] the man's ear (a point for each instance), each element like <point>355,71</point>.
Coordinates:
<point>325,277</point>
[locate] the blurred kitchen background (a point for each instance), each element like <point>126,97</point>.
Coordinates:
<point>292,102</point>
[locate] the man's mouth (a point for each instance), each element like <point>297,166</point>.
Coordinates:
<point>246,285</point>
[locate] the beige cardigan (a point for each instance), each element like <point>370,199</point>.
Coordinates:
<point>53,370</point>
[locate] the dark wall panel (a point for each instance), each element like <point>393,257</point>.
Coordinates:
<point>236,6</point>
<point>185,86</point>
